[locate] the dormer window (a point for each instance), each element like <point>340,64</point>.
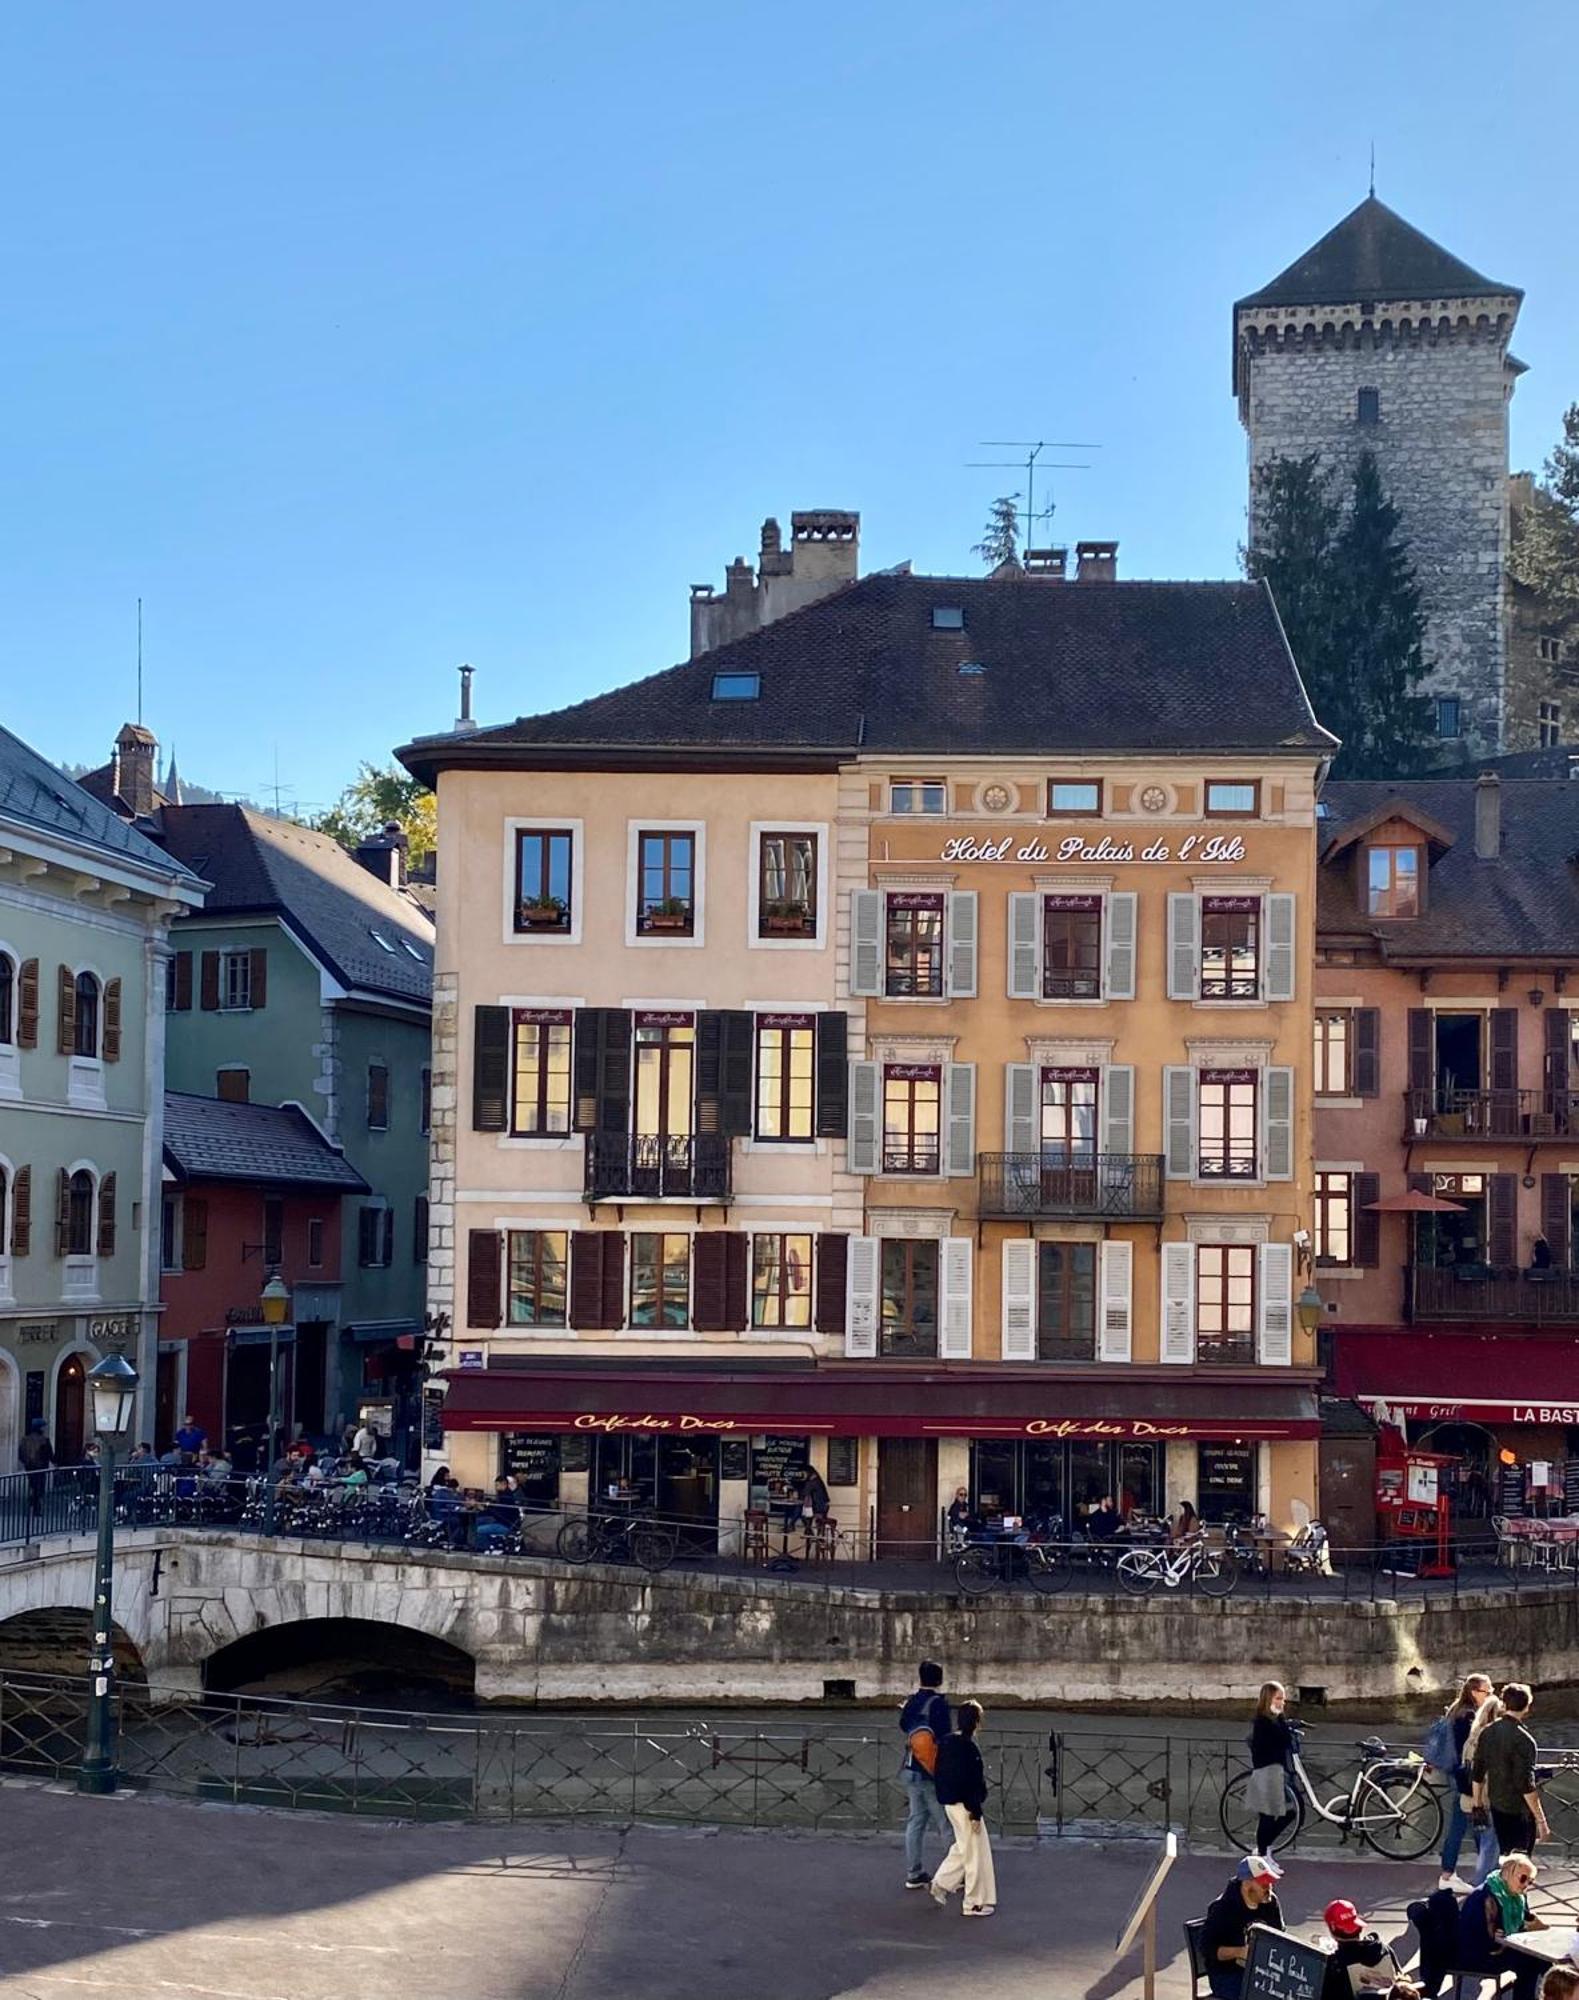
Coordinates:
<point>1392,881</point>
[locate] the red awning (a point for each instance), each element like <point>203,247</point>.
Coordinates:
<point>857,1401</point>
<point>1449,1374</point>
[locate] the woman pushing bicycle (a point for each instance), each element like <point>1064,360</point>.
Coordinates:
<point>1272,1745</point>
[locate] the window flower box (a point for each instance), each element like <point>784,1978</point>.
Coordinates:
<point>787,920</point>
<point>669,915</point>
<point>550,914</point>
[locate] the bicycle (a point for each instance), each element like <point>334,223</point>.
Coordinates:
<point>1390,1804</point>
<point>651,1545</point>
<point>981,1567</point>
<point>1210,1571</point>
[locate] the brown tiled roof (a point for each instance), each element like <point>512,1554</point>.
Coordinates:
<point>1374,254</point>
<point>1063,668</point>
<point>210,1139</point>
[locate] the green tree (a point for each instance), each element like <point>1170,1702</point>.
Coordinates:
<point>1001,541</point>
<point>1341,577</point>
<point>1544,556</point>
<point>373,798</point>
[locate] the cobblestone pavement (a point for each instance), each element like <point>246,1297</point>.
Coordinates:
<point>157,1900</point>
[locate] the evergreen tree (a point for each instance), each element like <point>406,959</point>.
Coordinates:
<point>1545,552</point>
<point>1001,542</point>
<point>1344,588</point>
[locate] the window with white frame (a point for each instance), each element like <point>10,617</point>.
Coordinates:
<point>235,981</point>
<point>917,795</point>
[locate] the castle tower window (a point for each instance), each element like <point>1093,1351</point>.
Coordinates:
<point>1368,406</point>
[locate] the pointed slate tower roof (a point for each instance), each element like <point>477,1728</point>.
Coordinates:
<point>1374,254</point>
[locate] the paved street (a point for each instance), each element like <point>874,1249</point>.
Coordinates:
<point>219,1904</point>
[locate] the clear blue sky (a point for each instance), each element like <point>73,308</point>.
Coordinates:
<point>363,339</point>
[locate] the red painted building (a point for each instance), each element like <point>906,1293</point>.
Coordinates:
<point>249,1190</point>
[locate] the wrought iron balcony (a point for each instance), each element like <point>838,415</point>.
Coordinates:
<point>1477,1292</point>
<point>1491,1114</point>
<point>908,1343</point>
<point>1225,1350</point>
<point>1015,1186</point>
<point>645,1168</point>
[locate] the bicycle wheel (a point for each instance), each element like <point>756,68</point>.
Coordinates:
<point>573,1543</point>
<point>652,1547</point>
<point>1241,1823</point>
<point>1215,1575</point>
<point>1399,1815</point>
<point>1139,1572</point>
<point>976,1571</point>
<point>1047,1570</point>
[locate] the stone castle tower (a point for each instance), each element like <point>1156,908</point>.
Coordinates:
<point>1378,338</point>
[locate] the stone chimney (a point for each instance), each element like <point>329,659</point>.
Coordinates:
<point>772,559</point>
<point>823,555</point>
<point>825,545</point>
<point>1047,562</point>
<point>133,769</point>
<point>1488,816</point>
<point>463,722</point>
<point>1096,562</point>
<point>384,855</point>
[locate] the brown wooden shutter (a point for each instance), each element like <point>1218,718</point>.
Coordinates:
<point>725,1060</point>
<point>258,979</point>
<point>1557,1217</point>
<point>1367,1237</point>
<point>209,996</point>
<point>386,1244</point>
<point>490,1069</point>
<point>613,1279</point>
<point>602,1070</point>
<point>67,1025</point>
<point>1420,1046</point>
<point>1557,1058</point>
<point>1504,1048</point>
<point>832,1261</point>
<point>484,1277</point>
<point>1367,1051</point>
<point>63,1215</point>
<point>419,1230</point>
<point>833,1075</point>
<point>720,1264</point>
<point>597,1279</point>
<point>27,1005</point>
<point>1422,1183</point>
<point>106,1246</point>
<point>1502,1210</point>
<point>194,1233</point>
<point>22,1212</point>
<point>112,1021</point>
<point>183,982</point>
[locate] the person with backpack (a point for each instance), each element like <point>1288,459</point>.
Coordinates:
<point>925,1722</point>
<point>1446,1750</point>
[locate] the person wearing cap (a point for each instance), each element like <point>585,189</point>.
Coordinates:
<point>1359,1961</point>
<point>1248,1899</point>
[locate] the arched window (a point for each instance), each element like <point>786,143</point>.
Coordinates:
<point>7,999</point>
<point>87,1014</point>
<point>79,1212</point>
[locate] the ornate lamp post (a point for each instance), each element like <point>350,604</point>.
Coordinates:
<point>275,1300</point>
<point>113,1387</point>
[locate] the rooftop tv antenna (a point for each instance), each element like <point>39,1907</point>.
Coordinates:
<point>139,663</point>
<point>1033,452</point>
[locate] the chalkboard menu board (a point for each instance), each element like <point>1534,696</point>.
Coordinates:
<point>433,1420</point>
<point>575,1453</point>
<point>535,1457</point>
<point>1280,1967</point>
<point>1510,1489</point>
<point>1571,1485</point>
<point>734,1459</point>
<point>776,1466</point>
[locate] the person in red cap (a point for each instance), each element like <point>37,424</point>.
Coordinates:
<point>1360,1962</point>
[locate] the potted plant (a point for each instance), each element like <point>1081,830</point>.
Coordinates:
<point>672,914</point>
<point>787,919</point>
<point>545,913</point>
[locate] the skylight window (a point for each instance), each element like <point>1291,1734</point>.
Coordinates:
<point>736,687</point>
<point>948,618</point>
<point>971,667</point>
<point>413,950</point>
<point>379,939</point>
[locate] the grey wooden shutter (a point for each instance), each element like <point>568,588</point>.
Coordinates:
<point>960,1083</point>
<point>1365,1227</point>
<point>1184,948</point>
<point>833,1074</point>
<point>954,1308</point>
<point>490,1069</point>
<point>1121,931</point>
<point>866,942</point>
<point>1177,1342</point>
<point>865,1117</point>
<point>1277,1124</point>
<point>1178,1101</point>
<point>1502,1211</point>
<point>1280,955</point>
<point>1017,1335</point>
<point>962,944</point>
<point>1421,1040</point>
<point>833,1259</point>
<point>864,1268</point>
<point>1025,938</point>
<point>1556,1217</point>
<point>1118,1108</point>
<point>1367,1072</point>
<point>1020,1108</point>
<point>106,1242</point>
<point>1115,1324</point>
<point>1276,1301</point>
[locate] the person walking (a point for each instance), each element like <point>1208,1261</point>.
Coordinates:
<point>926,1710</point>
<point>1460,1718</point>
<point>1272,1745</point>
<point>962,1792</point>
<point>1503,1775</point>
<point>35,1454</point>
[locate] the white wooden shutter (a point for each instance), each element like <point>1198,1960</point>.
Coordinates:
<point>862,1269</point>
<point>1115,1327</point>
<point>866,942</point>
<point>960,1083</point>
<point>1178,1303</point>
<point>1280,919</point>
<point>1178,1100</point>
<point>962,944</point>
<point>1018,1338</point>
<point>866,1108</point>
<point>1184,948</point>
<point>1120,919</point>
<point>1025,938</point>
<point>1118,1108</point>
<point>1277,1124</point>
<point>954,1258</point>
<point>1277,1305</point>
<point>1020,1108</point>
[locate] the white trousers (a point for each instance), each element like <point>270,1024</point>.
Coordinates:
<point>968,1861</point>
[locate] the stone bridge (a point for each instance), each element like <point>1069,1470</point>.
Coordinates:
<point>203,1607</point>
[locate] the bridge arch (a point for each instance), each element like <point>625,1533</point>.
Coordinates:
<point>55,1639</point>
<point>362,1660</point>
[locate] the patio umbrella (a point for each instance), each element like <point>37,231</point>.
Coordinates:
<point>1414,1203</point>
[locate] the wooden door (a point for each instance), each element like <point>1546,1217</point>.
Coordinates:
<point>70,1414</point>
<point>907,1499</point>
<point>167,1391</point>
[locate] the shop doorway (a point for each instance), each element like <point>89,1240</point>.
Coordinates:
<point>1469,1480</point>
<point>247,1402</point>
<point>1054,1486</point>
<point>673,1477</point>
<point>70,1411</point>
<point>167,1397</point>
<point>907,1499</point>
